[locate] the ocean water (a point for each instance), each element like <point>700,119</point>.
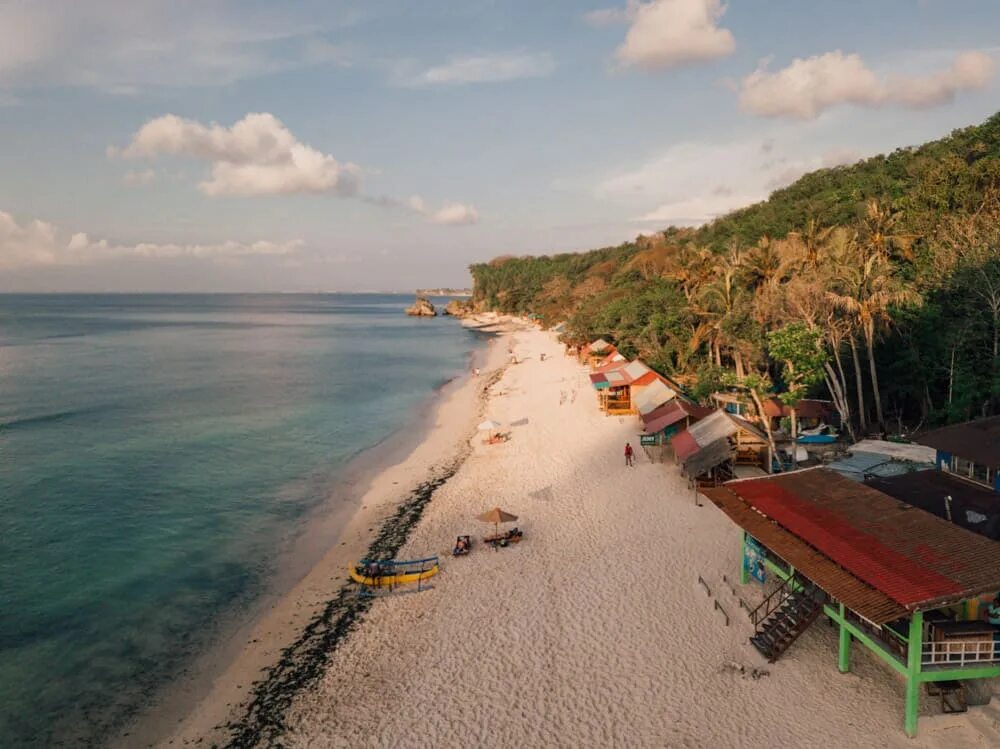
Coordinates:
<point>154,451</point>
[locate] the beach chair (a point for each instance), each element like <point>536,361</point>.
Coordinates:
<point>463,545</point>
<point>512,536</point>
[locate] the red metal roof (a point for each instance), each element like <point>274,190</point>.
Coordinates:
<point>684,445</point>
<point>914,558</point>
<point>671,413</point>
<point>806,408</point>
<point>681,407</point>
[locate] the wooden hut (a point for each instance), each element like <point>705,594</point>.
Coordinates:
<point>893,579</point>
<point>708,449</point>
<point>970,451</point>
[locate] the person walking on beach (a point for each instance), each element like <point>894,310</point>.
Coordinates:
<point>629,455</point>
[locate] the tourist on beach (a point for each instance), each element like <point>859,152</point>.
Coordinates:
<point>629,455</point>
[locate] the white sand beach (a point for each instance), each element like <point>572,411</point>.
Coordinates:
<point>594,630</point>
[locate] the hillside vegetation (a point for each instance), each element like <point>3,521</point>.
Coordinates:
<point>876,284</point>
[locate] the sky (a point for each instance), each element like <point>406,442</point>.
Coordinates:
<point>331,145</point>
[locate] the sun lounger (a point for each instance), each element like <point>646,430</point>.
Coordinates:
<point>503,539</point>
<point>463,545</point>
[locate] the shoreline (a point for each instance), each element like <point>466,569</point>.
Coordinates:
<point>204,701</point>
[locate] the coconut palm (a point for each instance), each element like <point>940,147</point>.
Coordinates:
<point>867,290</point>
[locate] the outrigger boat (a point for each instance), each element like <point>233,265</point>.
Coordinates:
<point>387,574</point>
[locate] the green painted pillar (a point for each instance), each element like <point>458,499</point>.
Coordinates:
<point>914,655</point>
<point>844,660</point>
<point>744,573</point>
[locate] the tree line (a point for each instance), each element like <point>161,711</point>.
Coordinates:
<point>876,285</point>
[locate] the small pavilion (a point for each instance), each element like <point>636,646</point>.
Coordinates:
<point>893,577</point>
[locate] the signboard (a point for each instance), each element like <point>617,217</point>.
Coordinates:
<point>753,559</point>
<point>647,439</point>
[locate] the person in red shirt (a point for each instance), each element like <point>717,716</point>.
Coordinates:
<point>629,454</point>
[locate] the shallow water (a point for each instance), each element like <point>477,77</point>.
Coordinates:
<point>154,450</point>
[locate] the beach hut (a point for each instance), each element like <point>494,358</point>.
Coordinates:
<point>809,413</point>
<point>734,403</point>
<point>893,579</point>
<point>594,352</point>
<point>970,450</point>
<point>673,417</point>
<point>708,449</point>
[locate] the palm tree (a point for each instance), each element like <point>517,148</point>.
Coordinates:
<point>869,289</point>
<point>811,242</point>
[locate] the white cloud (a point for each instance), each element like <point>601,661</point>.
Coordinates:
<point>256,156</point>
<point>970,70</point>
<point>691,183</point>
<point>455,214</point>
<point>127,47</point>
<point>807,87</point>
<point>450,214</point>
<point>670,33</point>
<point>139,178</point>
<point>37,243</point>
<point>484,69</point>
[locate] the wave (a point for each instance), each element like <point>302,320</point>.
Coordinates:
<point>23,422</point>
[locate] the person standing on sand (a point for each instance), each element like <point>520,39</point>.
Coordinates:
<point>629,454</point>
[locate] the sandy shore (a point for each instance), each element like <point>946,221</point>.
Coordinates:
<point>217,695</point>
<point>594,630</point>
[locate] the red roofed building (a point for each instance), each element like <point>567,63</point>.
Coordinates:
<point>894,578</point>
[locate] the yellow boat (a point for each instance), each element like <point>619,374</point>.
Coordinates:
<point>395,573</point>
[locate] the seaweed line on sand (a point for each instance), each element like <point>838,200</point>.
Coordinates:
<point>304,661</point>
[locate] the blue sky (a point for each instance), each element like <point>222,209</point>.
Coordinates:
<point>308,146</point>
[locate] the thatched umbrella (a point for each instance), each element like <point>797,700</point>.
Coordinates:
<point>496,516</point>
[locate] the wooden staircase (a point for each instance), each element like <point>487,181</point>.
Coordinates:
<point>784,615</point>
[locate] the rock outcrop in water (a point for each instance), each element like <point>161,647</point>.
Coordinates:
<point>421,308</point>
<point>458,308</point>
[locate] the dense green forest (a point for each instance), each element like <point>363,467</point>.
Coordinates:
<point>876,285</point>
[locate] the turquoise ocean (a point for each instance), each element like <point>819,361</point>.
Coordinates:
<point>155,450</point>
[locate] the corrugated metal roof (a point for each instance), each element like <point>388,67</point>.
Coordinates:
<point>599,345</point>
<point>684,445</point>
<point>615,378</point>
<point>900,450</point>
<point>652,396</point>
<point>636,369</point>
<point>684,407</point>
<point>708,457</point>
<point>916,559</point>
<point>978,441</point>
<point>831,577</point>
<point>807,408</point>
<point>712,427</point>
<point>673,412</point>
<point>860,466</point>
<point>972,506</point>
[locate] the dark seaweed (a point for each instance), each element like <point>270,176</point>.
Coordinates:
<point>304,661</point>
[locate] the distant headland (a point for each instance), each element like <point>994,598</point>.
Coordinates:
<point>444,292</point>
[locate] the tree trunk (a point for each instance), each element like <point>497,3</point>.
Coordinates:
<point>841,379</point>
<point>862,419</point>
<point>795,438</point>
<point>840,401</point>
<point>870,345</point>
<point>951,374</point>
<point>738,359</point>
<point>767,429</point>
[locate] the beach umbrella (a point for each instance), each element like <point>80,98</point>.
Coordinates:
<point>496,516</point>
<point>490,426</point>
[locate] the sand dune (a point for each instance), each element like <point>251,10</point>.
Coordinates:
<point>594,630</point>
